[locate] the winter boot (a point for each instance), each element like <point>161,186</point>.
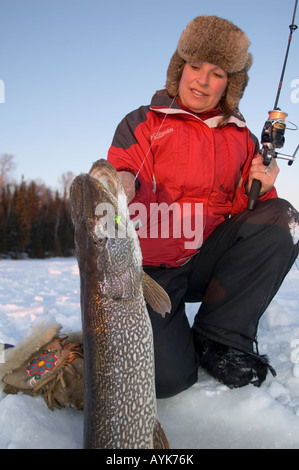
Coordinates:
<point>231,366</point>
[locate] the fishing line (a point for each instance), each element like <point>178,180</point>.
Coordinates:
<point>150,145</point>
<point>163,121</point>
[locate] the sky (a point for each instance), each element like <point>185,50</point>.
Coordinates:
<point>70,70</point>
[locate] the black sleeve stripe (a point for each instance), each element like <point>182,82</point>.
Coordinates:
<point>124,136</point>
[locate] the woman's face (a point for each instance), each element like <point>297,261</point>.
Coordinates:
<point>202,86</point>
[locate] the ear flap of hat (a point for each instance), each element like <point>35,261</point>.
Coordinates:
<point>236,86</point>
<point>174,74</point>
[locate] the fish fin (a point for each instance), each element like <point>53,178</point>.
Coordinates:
<point>160,440</point>
<point>155,295</point>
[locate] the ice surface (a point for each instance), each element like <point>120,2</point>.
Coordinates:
<point>207,416</point>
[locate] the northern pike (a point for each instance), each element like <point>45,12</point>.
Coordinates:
<point>119,392</point>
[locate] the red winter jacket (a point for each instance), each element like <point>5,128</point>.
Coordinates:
<point>191,175</point>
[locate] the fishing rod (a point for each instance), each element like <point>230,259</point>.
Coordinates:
<point>273,131</point>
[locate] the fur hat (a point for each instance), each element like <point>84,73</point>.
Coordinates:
<point>217,41</point>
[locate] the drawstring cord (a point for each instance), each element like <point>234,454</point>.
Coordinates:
<point>263,359</point>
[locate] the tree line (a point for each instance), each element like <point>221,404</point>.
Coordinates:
<point>35,221</point>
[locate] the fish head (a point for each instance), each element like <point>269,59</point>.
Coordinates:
<point>105,239</point>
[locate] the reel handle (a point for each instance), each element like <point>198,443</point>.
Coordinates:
<point>254,194</point>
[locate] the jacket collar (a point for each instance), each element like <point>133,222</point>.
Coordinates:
<point>163,103</point>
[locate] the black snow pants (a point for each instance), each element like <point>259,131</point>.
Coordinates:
<point>235,275</point>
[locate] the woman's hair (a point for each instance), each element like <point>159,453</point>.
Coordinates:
<point>225,110</point>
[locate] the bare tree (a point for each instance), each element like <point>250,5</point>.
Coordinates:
<point>65,181</point>
<point>7,166</point>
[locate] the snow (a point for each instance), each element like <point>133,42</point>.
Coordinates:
<point>207,416</point>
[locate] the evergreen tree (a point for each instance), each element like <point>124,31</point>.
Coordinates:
<point>35,222</point>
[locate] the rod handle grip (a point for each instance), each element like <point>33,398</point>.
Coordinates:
<point>254,194</point>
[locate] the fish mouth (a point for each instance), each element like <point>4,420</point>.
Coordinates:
<point>89,191</point>
<point>106,175</point>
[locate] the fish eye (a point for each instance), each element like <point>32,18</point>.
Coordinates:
<point>99,241</point>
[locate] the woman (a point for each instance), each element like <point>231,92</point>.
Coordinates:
<point>187,163</point>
